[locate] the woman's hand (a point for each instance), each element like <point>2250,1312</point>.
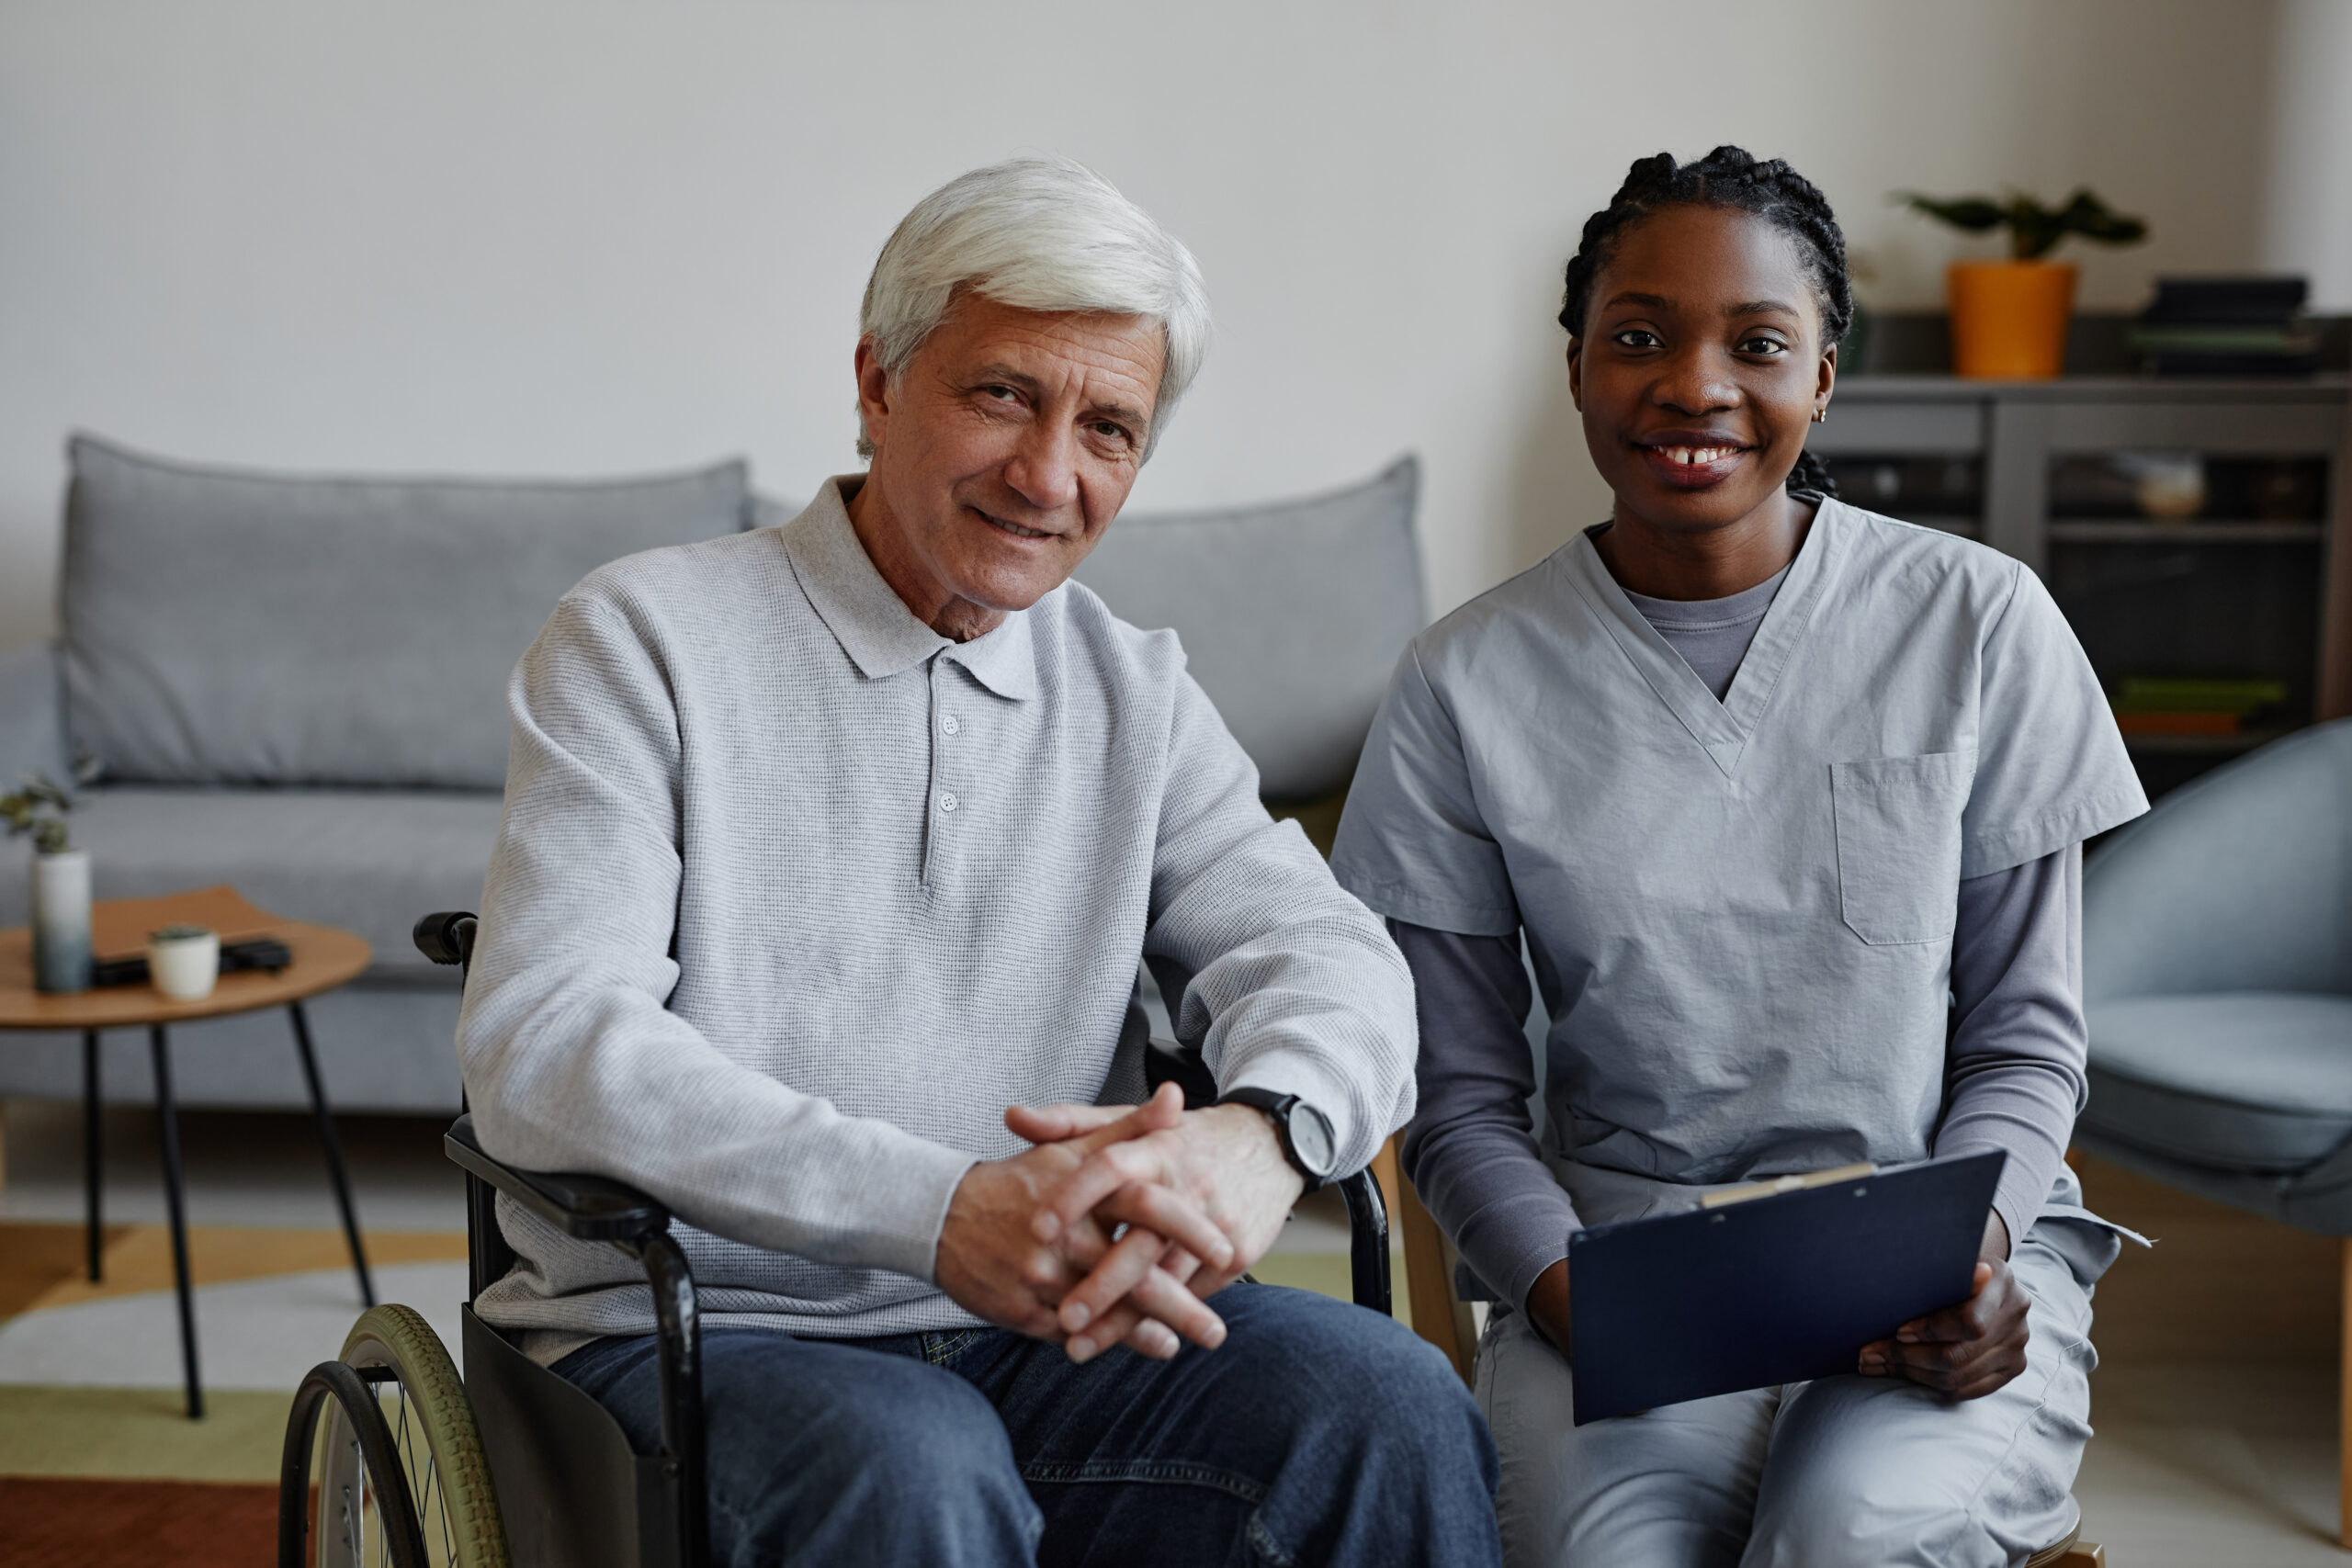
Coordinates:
<point>1967,1351</point>
<point>1548,1304</point>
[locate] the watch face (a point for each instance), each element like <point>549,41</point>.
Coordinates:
<point>1310,1136</point>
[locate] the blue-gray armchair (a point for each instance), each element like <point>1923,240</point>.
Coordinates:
<point>2217,977</point>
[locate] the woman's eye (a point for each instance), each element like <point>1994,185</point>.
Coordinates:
<point>1636,337</point>
<point>1763,346</point>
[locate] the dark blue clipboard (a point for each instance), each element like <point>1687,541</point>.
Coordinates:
<point>1768,1290</point>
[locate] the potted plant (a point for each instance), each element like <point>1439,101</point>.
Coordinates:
<point>61,885</point>
<point>2008,318</point>
<point>183,962</point>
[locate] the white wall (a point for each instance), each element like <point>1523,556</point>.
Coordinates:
<point>583,236</point>
<point>2307,214</point>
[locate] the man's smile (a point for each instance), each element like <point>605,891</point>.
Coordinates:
<point>1006,526</point>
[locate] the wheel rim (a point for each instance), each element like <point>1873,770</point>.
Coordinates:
<point>359,1514</point>
<point>423,1405</point>
<point>356,1514</point>
<point>396,1473</point>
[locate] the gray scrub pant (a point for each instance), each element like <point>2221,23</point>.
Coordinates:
<point>1843,1471</point>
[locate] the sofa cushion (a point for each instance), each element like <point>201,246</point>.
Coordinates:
<point>368,861</point>
<point>1293,615</point>
<point>224,627</point>
<point>2234,1080</point>
<point>32,731</point>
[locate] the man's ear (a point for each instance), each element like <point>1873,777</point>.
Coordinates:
<point>873,390</point>
<point>1576,372</point>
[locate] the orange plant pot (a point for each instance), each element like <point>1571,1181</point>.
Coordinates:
<point>2008,318</point>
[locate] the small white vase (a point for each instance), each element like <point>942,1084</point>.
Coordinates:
<point>62,921</point>
<point>185,967</point>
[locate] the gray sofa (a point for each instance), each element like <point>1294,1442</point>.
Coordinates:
<point>297,685</point>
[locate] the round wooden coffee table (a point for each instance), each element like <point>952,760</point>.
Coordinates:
<point>322,958</point>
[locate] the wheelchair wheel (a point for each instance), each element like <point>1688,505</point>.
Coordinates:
<point>382,1448</point>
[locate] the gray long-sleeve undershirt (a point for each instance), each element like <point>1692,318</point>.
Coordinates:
<point>2014,1068</point>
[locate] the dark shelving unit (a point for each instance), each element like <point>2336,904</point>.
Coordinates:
<point>2247,576</point>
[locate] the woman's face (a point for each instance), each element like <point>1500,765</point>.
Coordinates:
<point>1699,368</point>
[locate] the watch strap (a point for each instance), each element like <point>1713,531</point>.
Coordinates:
<point>1277,1107</point>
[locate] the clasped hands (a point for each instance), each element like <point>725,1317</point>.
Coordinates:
<point>1117,1224</point>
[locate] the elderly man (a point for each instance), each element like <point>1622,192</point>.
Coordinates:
<point>829,857</point>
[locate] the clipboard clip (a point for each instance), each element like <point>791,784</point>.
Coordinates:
<point>1777,1185</point>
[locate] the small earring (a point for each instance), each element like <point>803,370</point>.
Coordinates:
<point>1821,414</point>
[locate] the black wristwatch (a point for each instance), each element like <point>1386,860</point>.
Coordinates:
<point>1305,1133</point>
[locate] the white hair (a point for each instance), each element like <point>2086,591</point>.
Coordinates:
<point>1036,234</point>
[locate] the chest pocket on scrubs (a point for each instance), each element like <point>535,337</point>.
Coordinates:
<point>1898,844</point>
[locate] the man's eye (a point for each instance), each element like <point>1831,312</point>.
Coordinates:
<point>1003,394</point>
<point>1763,346</point>
<point>1636,337</point>
<point>1110,431</point>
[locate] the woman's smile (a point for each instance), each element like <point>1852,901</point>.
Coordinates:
<point>1691,460</point>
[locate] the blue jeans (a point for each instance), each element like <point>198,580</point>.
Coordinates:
<point>1318,1433</point>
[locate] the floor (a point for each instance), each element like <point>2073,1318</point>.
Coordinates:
<point>2216,1403</point>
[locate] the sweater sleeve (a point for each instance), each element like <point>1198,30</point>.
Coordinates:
<point>1470,1150</point>
<point>2013,1069</point>
<point>568,1051</point>
<point>1294,985</point>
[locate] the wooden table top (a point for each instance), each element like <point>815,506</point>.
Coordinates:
<point>324,959</point>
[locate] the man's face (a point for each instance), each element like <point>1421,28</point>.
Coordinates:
<point>1002,452</point>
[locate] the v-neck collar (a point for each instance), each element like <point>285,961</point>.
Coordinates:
<point>1722,729</point>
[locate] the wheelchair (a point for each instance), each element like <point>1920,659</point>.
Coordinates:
<point>391,1457</point>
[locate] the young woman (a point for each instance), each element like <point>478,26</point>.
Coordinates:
<point>1787,800</point>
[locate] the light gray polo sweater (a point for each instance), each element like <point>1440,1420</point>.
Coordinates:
<point>793,897</point>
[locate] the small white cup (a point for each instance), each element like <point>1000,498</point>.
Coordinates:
<point>185,967</point>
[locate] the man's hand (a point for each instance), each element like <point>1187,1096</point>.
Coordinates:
<point>1225,1162</point>
<point>1967,1351</point>
<point>992,1262</point>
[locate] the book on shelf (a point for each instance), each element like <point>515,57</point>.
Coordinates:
<point>2226,326</point>
<point>2174,705</point>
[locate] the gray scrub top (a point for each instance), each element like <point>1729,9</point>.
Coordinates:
<point>1739,912</point>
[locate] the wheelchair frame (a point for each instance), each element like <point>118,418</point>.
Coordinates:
<point>572,1490</point>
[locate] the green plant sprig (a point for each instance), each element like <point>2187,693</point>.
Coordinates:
<point>2034,230</point>
<point>38,808</point>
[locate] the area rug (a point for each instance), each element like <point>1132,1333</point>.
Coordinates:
<point>89,1373</point>
<point>135,1524</point>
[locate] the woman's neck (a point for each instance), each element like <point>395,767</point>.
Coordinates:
<point>1710,563</point>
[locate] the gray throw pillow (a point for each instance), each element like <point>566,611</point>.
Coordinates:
<point>1293,615</point>
<point>229,628</point>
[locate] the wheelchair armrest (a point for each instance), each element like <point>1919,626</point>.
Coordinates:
<point>1164,1061</point>
<point>591,1208</point>
<point>447,936</point>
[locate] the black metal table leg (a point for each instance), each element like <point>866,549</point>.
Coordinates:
<point>168,1114</point>
<point>334,1148</point>
<point>93,1149</point>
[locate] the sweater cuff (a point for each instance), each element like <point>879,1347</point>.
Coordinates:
<point>911,1206</point>
<point>1509,1243</point>
<point>2024,1186</point>
<point>1294,1072</point>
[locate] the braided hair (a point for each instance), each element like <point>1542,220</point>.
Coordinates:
<point>1727,177</point>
